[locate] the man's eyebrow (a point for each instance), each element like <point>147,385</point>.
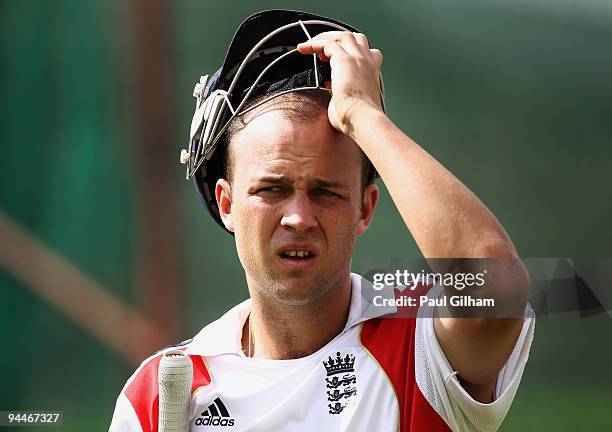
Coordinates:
<point>316,182</point>
<point>321,182</point>
<point>275,179</point>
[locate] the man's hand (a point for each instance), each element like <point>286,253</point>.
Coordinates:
<point>445,218</point>
<point>355,72</point>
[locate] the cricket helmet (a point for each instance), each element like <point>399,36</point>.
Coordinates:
<point>262,60</point>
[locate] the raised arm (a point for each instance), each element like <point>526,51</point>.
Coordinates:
<point>445,218</point>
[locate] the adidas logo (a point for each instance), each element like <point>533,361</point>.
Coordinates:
<point>215,415</point>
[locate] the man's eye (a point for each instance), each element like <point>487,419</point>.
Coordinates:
<point>324,192</point>
<point>271,189</point>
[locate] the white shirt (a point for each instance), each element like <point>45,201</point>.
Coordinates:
<point>377,374</point>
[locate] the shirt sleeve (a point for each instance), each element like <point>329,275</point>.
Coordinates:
<point>124,417</point>
<point>137,408</point>
<point>440,385</point>
<point>137,405</point>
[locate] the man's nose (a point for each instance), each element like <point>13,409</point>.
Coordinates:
<point>299,214</point>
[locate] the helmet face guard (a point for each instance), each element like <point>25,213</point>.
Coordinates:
<point>262,60</point>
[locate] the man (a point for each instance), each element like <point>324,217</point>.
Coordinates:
<point>293,183</point>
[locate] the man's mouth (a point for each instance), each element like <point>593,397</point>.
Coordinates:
<point>297,254</point>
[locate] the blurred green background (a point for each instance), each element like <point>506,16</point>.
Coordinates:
<point>107,255</point>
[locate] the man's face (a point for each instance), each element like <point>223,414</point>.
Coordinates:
<point>296,191</point>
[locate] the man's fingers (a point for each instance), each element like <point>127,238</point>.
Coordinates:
<point>305,48</point>
<point>351,43</point>
<point>362,40</point>
<point>315,44</point>
<point>328,48</point>
<point>329,35</point>
<point>378,56</point>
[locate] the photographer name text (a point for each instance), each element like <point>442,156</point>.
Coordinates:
<point>453,301</point>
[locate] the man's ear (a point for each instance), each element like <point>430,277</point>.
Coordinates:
<point>223,194</point>
<point>368,205</point>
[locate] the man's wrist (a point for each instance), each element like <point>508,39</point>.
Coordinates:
<point>363,117</point>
